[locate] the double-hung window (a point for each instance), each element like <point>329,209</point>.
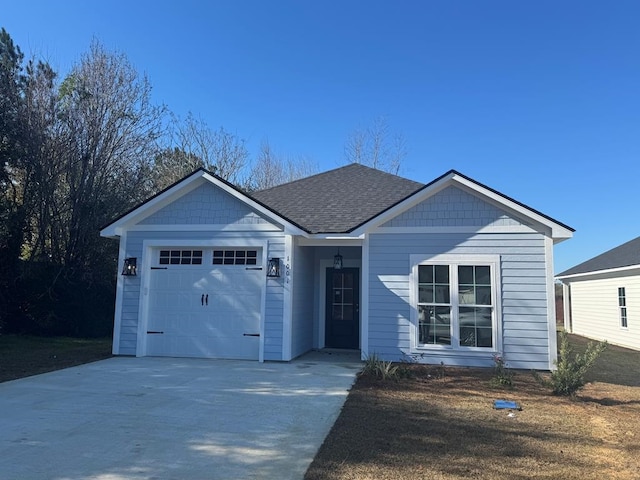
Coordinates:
<point>622,305</point>
<point>455,302</point>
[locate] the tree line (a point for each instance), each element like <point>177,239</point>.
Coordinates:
<point>79,150</point>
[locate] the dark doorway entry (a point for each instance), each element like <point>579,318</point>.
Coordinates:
<point>343,308</point>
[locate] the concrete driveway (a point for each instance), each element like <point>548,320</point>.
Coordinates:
<point>166,418</point>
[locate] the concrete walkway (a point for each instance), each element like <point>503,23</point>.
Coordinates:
<point>165,418</point>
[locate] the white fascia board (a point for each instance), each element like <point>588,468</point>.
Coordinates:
<point>556,231</point>
<point>470,230</point>
<point>190,183</point>
<point>329,241</point>
<point>601,274</point>
<point>232,227</point>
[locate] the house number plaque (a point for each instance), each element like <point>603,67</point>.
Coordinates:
<point>287,271</point>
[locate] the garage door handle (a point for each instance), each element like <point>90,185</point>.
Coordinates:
<point>251,335</point>
<point>154,332</point>
<point>204,299</point>
<point>253,268</point>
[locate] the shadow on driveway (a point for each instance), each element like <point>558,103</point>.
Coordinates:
<point>165,418</point>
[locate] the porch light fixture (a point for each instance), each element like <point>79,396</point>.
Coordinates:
<point>337,261</point>
<point>273,269</point>
<point>130,268</point>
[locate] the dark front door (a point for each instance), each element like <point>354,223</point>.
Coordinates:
<point>343,308</point>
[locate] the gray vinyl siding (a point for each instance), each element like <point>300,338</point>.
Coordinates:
<point>524,322</point>
<point>130,299</point>
<point>303,301</point>
<point>274,306</point>
<point>453,207</point>
<point>131,288</point>
<point>205,205</point>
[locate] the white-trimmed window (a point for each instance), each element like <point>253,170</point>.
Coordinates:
<point>622,306</point>
<point>455,302</point>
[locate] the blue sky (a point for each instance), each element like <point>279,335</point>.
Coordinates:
<point>537,99</point>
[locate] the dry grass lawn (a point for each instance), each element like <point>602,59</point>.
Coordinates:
<point>443,426</point>
<point>22,355</point>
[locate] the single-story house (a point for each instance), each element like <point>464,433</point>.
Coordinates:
<point>602,296</point>
<point>353,258</point>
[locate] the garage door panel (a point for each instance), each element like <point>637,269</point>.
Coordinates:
<point>203,347</point>
<point>224,327</point>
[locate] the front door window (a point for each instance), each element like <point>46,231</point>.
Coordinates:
<point>343,312</point>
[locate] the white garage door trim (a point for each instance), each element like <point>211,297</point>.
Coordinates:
<point>149,246</point>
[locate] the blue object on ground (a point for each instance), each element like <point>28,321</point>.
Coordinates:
<point>506,404</point>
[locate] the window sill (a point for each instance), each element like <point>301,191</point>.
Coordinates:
<point>479,351</point>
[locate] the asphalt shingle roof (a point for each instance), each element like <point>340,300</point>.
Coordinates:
<point>625,255</point>
<point>339,200</point>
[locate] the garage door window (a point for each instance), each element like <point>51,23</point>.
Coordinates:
<point>180,257</point>
<point>235,257</point>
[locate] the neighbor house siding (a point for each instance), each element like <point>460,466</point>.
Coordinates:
<point>303,300</point>
<point>595,313</point>
<point>524,320</point>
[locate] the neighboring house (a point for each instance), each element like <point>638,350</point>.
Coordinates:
<point>602,296</point>
<point>355,258</point>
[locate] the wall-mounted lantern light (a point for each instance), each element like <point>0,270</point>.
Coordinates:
<point>130,268</point>
<point>273,269</point>
<point>337,261</point>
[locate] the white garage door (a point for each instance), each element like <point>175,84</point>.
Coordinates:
<point>205,303</point>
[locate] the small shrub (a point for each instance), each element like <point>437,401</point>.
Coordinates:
<point>382,369</point>
<point>502,374</point>
<point>387,370</point>
<point>568,378</point>
<point>370,364</point>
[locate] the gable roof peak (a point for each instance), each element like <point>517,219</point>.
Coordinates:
<point>346,169</point>
<point>338,200</point>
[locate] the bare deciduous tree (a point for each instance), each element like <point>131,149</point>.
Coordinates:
<point>193,144</point>
<point>108,131</point>
<point>271,169</point>
<point>376,146</point>
<point>171,165</point>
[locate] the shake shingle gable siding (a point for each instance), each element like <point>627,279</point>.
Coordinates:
<point>453,207</point>
<point>206,205</point>
<point>339,200</point>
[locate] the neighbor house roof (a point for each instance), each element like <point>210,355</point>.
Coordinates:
<point>625,255</point>
<point>339,200</point>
